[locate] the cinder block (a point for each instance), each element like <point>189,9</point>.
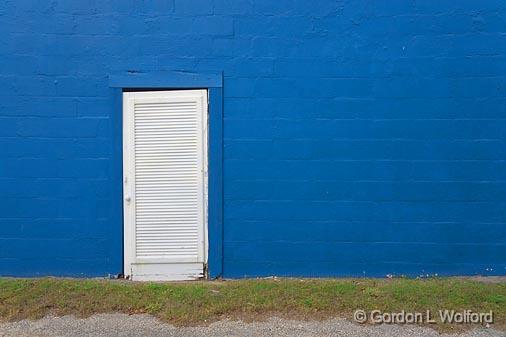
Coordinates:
<point>355,133</point>
<point>193,7</point>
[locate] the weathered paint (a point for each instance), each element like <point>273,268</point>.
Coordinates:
<point>359,137</point>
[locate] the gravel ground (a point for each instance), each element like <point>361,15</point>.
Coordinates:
<point>110,325</point>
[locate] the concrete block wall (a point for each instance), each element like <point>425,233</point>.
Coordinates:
<point>360,137</point>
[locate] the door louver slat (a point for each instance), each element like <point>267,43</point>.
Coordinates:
<point>165,160</point>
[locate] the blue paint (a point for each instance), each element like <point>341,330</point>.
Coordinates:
<point>115,225</point>
<point>167,79</point>
<point>215,183</point>
<point>352,137</point>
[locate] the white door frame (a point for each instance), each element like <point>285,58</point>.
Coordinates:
<point>159,269</point>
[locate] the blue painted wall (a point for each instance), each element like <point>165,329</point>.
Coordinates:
<point>360,137</point>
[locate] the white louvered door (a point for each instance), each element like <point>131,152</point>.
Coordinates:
<point>165,187</point>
